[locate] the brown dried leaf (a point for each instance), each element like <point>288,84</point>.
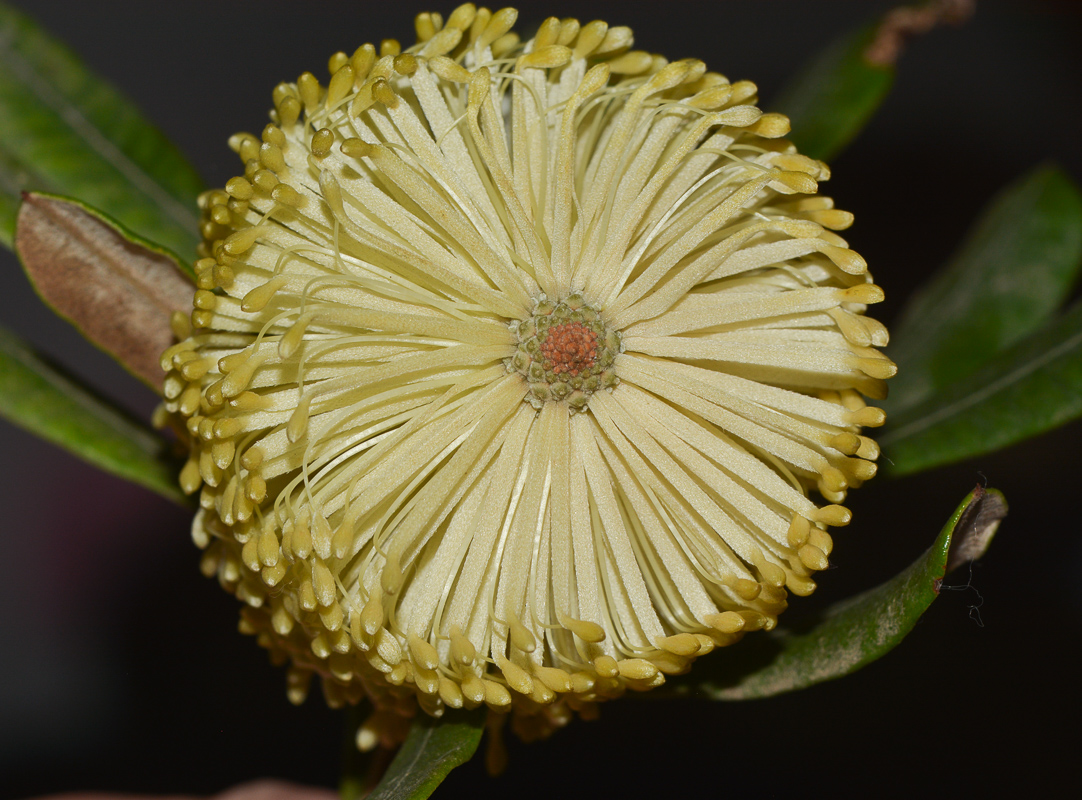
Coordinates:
<point>118,293</point>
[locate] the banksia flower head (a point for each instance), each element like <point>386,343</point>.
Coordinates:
<point>512,366</point>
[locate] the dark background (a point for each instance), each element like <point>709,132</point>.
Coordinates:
<point>121,667</point>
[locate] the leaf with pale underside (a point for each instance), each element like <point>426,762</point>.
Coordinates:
<point>1012,273</point>
<point>853,633</point>
<point>37,396</point>
<point>119,293</point>
<point>432,749</point>
<point>64,130</point>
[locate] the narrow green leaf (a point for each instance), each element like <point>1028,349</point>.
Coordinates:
<point>834,95</point>
<point>65,130</point>
<point>856,632</point>
<point>36,396</point>
<point>1028,389</point>
<point>1014,270</point>
<point>432,749</point>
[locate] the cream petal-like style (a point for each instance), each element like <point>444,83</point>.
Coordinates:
<point>511,368</point>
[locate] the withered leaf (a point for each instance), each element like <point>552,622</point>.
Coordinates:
<point>119,293</point>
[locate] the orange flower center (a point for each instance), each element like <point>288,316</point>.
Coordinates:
<point>569,348</point>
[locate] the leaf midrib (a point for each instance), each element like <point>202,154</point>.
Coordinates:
<point>89,133</point>
<point>991,389</point>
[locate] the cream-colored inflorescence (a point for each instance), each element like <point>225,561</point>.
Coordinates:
<point>512,365</point>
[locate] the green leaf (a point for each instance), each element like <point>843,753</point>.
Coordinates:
<point>1014,270</point>
<point>36,396</point>
<point>1030,388</point>
<point>853,633</point>
<point>834,95</point>
<point>432,749</point>
<point>66,131</point>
